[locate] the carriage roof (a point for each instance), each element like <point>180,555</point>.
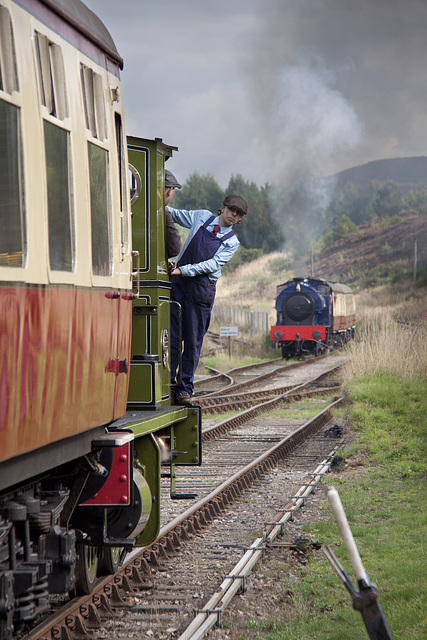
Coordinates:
<point>87,23</point>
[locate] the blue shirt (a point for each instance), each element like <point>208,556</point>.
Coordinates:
<point>193,220</point>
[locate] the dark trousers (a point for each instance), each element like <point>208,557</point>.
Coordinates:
<point>196,297</point>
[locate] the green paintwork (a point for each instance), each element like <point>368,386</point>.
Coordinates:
<point>180,423</point>
<point>145,383</point>
<point>180,429</point>
<point>148,453</point>
<point>148,219</point>
<point>185,438</point>
<point>149,388</point>
<point>149,367</point>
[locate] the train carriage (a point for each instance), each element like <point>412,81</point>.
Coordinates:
<point>85,405</point>
<point>313,315</point>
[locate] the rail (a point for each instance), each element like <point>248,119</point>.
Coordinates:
<point>74,619</point>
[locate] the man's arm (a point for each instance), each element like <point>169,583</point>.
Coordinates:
<point>186,218</point>
<point>173,240</point>
<point>214,264</point>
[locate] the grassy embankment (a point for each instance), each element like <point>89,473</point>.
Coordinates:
<point>382,488</point>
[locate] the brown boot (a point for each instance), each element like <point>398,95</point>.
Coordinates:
<point>183,399</point>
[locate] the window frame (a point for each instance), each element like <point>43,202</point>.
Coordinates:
<point>99,277</point>
<point>11,268</point>
<point>50,72</point>
<point>93,102</point>
<point>10,95</point>
<point>61,273</point>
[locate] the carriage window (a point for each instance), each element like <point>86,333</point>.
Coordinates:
<point>8,72</point>
<point>12,236</point>
<point>93,101</point>
<point>100,210</point>
<point>51,76</point>
<point>122,182</point>
<point>61,236</point>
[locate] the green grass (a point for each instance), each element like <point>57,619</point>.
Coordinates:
<point>389,416</point>
<point>221,362</point>
<point>301,410</point>
<point>305,410</point>
<point>386,507</point>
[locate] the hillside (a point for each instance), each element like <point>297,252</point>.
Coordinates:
<point>374,255</point>
<point>407,173</point>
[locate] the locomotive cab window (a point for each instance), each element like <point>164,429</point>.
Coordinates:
<point>323,290</point>
<point>135,182</point>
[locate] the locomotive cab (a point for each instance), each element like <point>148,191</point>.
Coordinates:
<point>149,385</point>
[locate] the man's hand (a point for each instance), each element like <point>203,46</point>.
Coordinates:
<point>176,272</point>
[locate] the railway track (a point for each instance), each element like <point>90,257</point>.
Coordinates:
<point>223,382</point>
<point>158,588</point>
<point>254,384</point>
<point>250,376</point>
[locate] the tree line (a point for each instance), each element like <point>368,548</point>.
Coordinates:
<point>306,213</point>
<point>351,207</point>
<point>257,232</point>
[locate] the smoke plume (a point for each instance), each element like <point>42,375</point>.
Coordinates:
<point>335,84</point>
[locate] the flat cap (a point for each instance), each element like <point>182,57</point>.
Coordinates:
<point>170,180</point>
<point>236,202</point>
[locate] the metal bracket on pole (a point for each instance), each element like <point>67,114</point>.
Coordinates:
<point>366,599</point>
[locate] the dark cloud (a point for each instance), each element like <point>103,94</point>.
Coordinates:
<point>182,81</point>
<point>273,89</point>
<point>357,65</point>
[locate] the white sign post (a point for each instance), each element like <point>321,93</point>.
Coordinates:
<point>229,332</point>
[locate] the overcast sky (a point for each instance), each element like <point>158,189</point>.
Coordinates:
<point>276,90</point>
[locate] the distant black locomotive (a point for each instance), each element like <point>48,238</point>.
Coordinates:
<point>313,315</point>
